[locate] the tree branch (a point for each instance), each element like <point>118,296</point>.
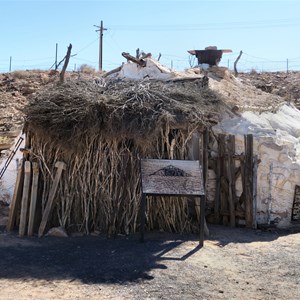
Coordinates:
<point>67,58</point>
<point>139,61</point>
<point>235,63</point>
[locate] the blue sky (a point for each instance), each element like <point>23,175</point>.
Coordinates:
<point>266,31</point>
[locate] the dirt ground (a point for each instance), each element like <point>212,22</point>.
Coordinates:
<point>233,263</point>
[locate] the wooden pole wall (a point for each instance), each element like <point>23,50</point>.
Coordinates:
<point>227,207</point>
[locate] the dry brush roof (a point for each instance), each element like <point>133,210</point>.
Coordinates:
<point>120,107</point>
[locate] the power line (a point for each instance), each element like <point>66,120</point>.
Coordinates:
<point>213,26</point>
<point>36,59</point>
<point>85,60</point>
<point>266,59</point>
<point>115,42</point>
<point>88,45</point>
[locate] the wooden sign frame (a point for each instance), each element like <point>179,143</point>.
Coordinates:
<point>296,205</point>
<point>163,177</point>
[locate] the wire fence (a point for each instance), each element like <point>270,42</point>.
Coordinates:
<point>247,63</point>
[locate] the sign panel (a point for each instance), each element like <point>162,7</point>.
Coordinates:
<point>171,177</point>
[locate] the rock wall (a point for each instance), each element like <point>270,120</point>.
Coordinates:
<point>277,144</point>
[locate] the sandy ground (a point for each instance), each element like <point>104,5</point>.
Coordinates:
<point>233,264</point>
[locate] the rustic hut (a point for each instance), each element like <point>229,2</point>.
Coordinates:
<point>101,132</point>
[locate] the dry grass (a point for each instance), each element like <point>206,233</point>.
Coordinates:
<point>19,74</point>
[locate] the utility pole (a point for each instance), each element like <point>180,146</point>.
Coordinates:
<point>101,29</point>
<point>10,59</point>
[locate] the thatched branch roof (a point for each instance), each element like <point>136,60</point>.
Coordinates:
<point>120,107</point>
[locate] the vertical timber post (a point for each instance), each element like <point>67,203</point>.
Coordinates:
<point>218,185</point>
<point>200,152</point>
<point>205,138</point>
<point>205,142</point>
<point>255,166</point>
<point>202,218</point>
<point>223,181</point>
<point>17,196</point>
<point>25,198</point>
<point>248,139</point>
<point>49,206</point>
<point>33,197</point>
<point>143,217</point>
<point>231,179</point>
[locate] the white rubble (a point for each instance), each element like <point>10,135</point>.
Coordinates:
<point>277,144</point>
<point>7,182</point>
<point>152,70</point>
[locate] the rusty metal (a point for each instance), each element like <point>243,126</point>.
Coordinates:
<point>210,55</point>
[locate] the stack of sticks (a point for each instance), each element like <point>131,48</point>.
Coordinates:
<point>25,196</point>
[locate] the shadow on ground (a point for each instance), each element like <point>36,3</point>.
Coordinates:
<point>88,259</point>
<point>101,260</point>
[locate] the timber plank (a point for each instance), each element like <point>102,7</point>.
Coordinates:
<point>17,196</point>
<point>255,166</point>
<point>218,183</point>
<point>223,177</point>
<point>248,139</point>
<point>48,209</point>
<point>25,198</point>
<point>231,179</point>
<point>34,189</point>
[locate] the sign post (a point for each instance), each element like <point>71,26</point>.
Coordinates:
<point>172,178</point>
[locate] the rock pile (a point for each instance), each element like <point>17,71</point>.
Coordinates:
<point>286,85</point>
<point>15,88</point>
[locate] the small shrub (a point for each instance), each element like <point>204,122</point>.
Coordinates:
<point>87,69</point>
<point>253,71</point>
